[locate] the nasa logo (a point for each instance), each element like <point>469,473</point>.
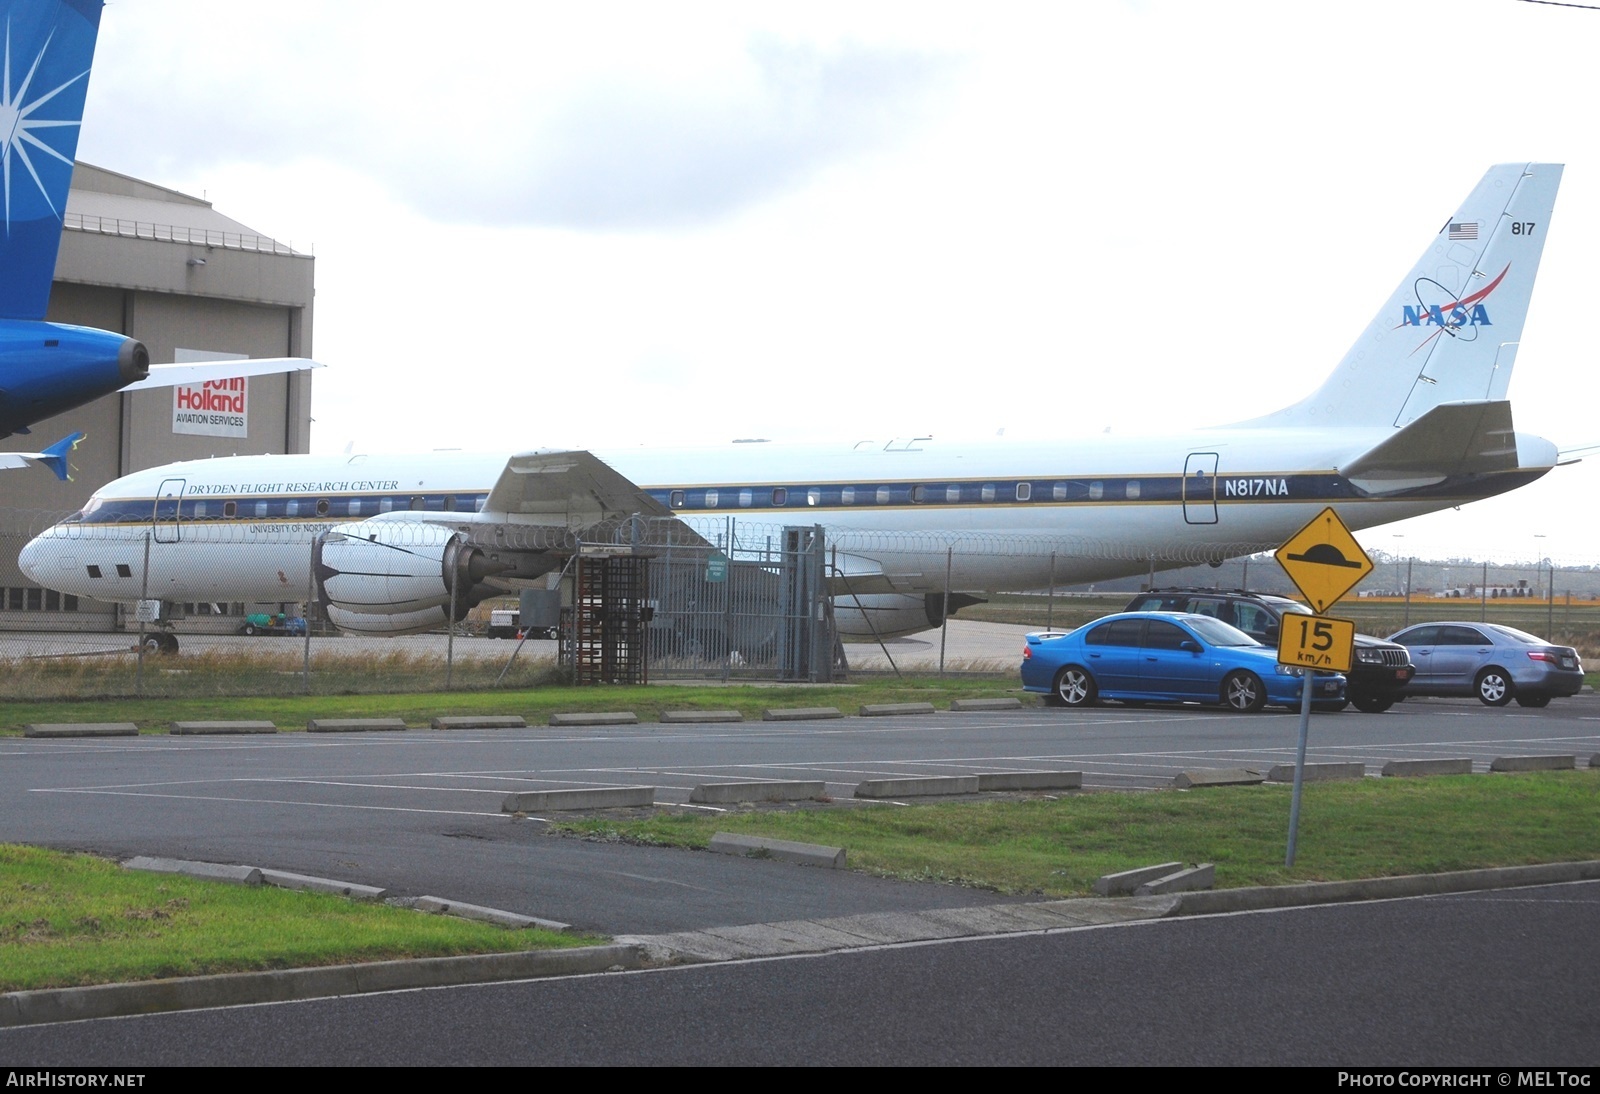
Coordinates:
<point>1432,315</point>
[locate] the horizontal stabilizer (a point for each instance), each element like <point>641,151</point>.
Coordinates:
<point>54,457</point>
<point>1452,439</point>
<point>201,371</point>
<point>574,489</point>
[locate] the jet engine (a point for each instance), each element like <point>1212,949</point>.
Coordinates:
<point>49,368</point>
<point>890,615</point>
<point>389,577</point>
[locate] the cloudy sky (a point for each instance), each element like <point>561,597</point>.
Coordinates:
<point>611,224</point>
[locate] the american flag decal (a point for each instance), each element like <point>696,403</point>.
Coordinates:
<point>1464,229</point>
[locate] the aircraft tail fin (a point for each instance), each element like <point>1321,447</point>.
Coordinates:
<point>44,77</point>
<point>54,457</point>
<point>1449,333</point>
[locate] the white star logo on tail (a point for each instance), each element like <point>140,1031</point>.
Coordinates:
<point>17,125</point>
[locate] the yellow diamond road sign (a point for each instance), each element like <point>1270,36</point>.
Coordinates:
<point>1324,560</point>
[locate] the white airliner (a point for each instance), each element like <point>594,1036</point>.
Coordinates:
<point>1414,419</point>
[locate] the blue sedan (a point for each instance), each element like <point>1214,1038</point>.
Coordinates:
<point>1166,657</point>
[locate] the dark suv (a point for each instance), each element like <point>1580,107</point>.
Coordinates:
<point>1379,670</point>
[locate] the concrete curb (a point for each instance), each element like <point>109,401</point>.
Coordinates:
<point>183,729</point>
<point>283,879</point>
<point>606,797</point>
<point>596,718</point>
<point>681,717</point>
<point>1031,780</point>
<point>354,725</point>
<point>933,785</point>
<point>776,791</point>
<point>1382,888</point>
<point>1412,768</point>
<point>438,905</point>
<point>480,721</point>
<point>206,871</point>
<point>885,710</point>
<point>81,729</point>
<point>1533,763</point>
<point>1284,773</point>
<point>806,854</point>
<point>985,704</point>
<point>1221,776</point>
<point>800,714</point>
<point>26,1008</point>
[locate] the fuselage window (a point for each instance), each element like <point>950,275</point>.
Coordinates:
<point>883,495</point>
<point>745,498</point>
<point>322,507</point>
<point>199,510</point>
<point>847,496</point>
<point>1058,492</point>
<point>386,505</point>
<point>988,491</point>
<point>813,496</point>
<point>291,508</point>
<point>711,499</point>
<point>919,494</point>
<point>230,509</point>
<point>1024,491</point>
<point>124,570</point>
<point>780,496</point>
<point>1133,489</point>
<point>354,508</point>
<point>94,571</point>
<point>449,503</point>
<point>261,509</point>
<point>675,499</point>
<point>1096,491</point>
<point>416,503</point>
<point>952,493</point>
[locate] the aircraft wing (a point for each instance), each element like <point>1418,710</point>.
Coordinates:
<point>199,372</point>
<point>858,575</point>
<point>1450,439</point>
<point>573,489</point>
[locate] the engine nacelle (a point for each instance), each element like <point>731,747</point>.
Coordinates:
<point>890,615</point>
<point>394,577</point>
<point>49,368</point>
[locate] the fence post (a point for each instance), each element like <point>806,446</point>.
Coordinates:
<point>1050,597</point>
<point>144,594</point>
<point>944,621</point>
<point>311,599</point>
<point>1407,622</point>
<point>1483,596</point>
<point>450,623</point>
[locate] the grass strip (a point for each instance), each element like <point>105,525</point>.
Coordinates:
<point>534,704</point>
<point>71,920</point>
<point>1057,847</point>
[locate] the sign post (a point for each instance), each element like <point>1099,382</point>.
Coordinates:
<point>1325,562</point>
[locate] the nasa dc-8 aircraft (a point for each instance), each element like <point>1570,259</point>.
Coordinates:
<point>1415,418</point>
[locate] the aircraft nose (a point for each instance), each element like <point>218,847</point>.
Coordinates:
<point>28,560</point>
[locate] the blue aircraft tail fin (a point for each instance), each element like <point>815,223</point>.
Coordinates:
<point>44,76</point>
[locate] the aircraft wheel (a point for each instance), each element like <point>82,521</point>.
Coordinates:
<point>249,629</point>
<point>152,643</point>
<point>1242,691</point>
<point>1372,704</point>
<point>1074,687</point>
<point>1533,700</point>
<point>1493,687</point>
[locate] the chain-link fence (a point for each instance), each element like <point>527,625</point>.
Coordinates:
<point>296,602</point>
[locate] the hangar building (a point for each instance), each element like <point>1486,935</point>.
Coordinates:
<point>191,284</point>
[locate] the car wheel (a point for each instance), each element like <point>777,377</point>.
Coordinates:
<point>1242,691</point>
<point>1533,700</point>
<point>1372,704</point>
<point>1074,687</point>
<point>1493,687</point>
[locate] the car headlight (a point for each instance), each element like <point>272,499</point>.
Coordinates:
<point>1371,657</point>
<point>1290,670</point>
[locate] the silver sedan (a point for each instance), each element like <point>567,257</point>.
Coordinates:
<point>1494,662</point>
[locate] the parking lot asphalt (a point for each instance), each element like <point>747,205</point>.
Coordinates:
<point>419,812</point>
